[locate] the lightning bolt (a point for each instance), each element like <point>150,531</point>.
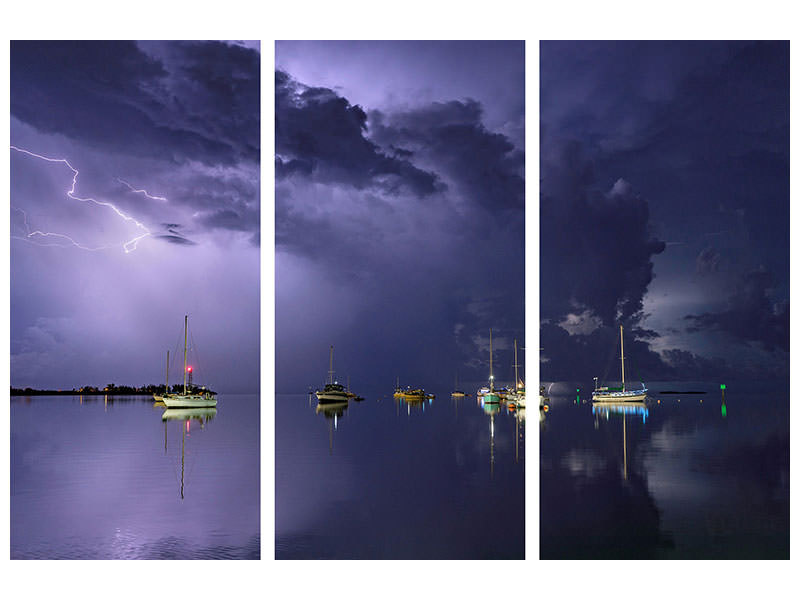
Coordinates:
<point>35,234</point>
<point>135,191</point>
<point>128,246</point>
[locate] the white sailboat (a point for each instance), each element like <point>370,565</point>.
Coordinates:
<point>621,394</point>
<point>333,391</point>
<point>188,399</point>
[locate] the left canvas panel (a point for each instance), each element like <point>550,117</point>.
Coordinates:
<point>134,326</point>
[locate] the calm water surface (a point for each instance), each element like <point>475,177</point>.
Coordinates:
<point>98,479</point>
<point>682,476</point>
<point>386,479</point>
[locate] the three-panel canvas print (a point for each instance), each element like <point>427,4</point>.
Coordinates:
<point>415,244</point>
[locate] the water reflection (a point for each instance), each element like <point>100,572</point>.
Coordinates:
<point>672,477</point>
<point>413,402</point>
<point>410,478</point>
<point>490,408</point>
<point>606,409</point>
<point>332,411</point>
<point>185,416</point>
<point>99,477</point>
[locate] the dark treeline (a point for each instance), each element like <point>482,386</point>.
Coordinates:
<point>109,390</point>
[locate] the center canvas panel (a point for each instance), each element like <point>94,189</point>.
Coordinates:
<point>400,300</point>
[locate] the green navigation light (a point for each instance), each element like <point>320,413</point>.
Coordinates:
<point>722,386</point>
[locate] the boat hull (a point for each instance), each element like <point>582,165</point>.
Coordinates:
<point>332,396</point>
<point>627,396</point>
<point>491,398</point>
<point>189,401</point>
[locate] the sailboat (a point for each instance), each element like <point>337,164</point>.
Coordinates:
<point>518,395</point>
<point>620,394</point>
<point>333,391</point>
<point>487,393</point>
<point>204,399</point>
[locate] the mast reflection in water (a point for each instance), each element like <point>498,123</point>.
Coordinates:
<point>185,416</point>
<point>405,477</point>
<point>104,477</point>
<point>700,475</point>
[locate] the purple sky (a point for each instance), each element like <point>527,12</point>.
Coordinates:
<point>399,210</point>
<point>178,121</point>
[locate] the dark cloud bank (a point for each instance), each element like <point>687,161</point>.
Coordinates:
<point>664,161</point>
<point>417,213</point>
<point>182,116</point>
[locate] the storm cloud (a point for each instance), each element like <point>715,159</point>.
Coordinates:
<point>596,246</point>
<point>175,101</point>
<point>399,230</point>
<point>321,135</point>
<point>751,315</point>
<point>664,188</point>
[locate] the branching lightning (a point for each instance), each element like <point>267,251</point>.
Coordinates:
<point>135,191</point>
<point>128,246</point>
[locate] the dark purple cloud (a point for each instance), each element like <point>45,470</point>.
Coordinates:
<point>452,135</point>
<point>320,134</point>
<point>596,246</point>
<point>178,101</point>
<point>698,131</point>
<point>751,314</point>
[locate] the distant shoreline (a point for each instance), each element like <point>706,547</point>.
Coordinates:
<point>94,392</point>
<point>18,392</point>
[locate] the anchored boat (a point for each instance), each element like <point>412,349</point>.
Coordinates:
<point>333,391</point>
<point>618,394</point>
<point>188,399</point>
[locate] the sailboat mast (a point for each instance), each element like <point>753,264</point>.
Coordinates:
<point>516,377</point>
<point>491,376</point>
<point>330,369</point>
<point>622,357</point>
<point>185,329</point>
<point>166,385</point>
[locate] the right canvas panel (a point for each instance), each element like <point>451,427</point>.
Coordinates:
<point>664,308</point>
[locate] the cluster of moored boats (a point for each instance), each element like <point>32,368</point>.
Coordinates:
<point>513,396</point>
